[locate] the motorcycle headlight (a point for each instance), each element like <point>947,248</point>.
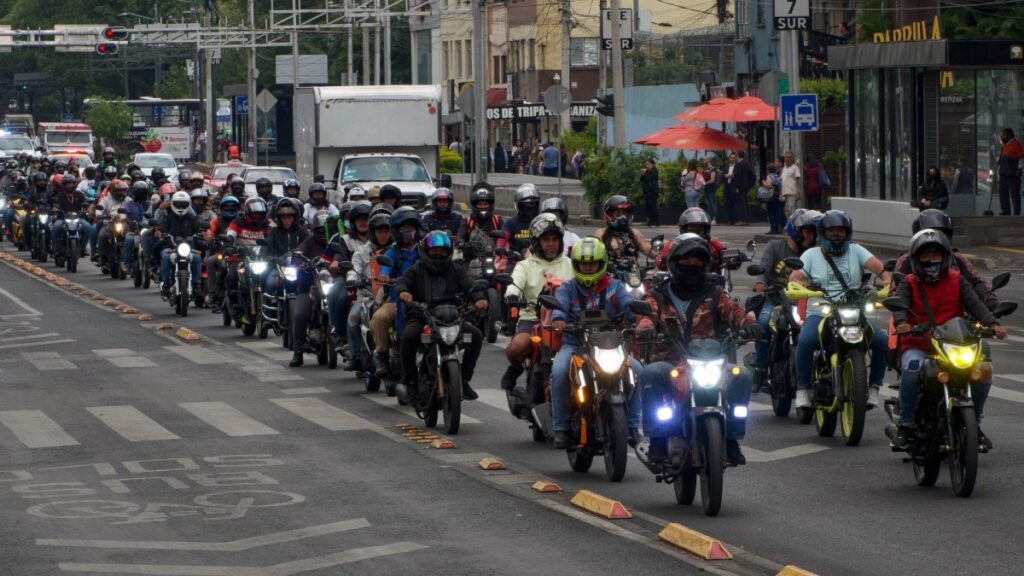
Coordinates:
<point>291,273</point>
<point>960,356</point>
<point>849,315</point>
<point>119,227</point>
<point>706,373</point>
<point>664,413</point>
<point>449,334</point>
<point>825,308</point>
<point>851,334</point>
<point>794,314</point>
<point>43,218</point>
<point>72,222</point>
<point>609,360</point>
<point>3,203</point>
<point>184,250</point>
<point>489,271</point>
<point>258,267</point>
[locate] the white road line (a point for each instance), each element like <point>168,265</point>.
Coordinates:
<point>227,419</point>
<point>271,373</point>
<point>198,355</point>
<point>492,397</point>
<point>113,352</point>
<point>393,404</point>
<point>305,390</point>
<point>35,429</point>
<point>27,344</point>
<point>124,358</point>
<point>30,337</point>
<point>21,303</point>
<point>131,424</point>
<point>321,413</point>
<point>47,361</point>
<point>270,348</point>
<point>755,455</point>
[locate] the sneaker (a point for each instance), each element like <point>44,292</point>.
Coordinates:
<point>984,444</point>
<point>634,437</point>
<point>165,291</point>
<point>508,380</point>
<point>901,439</point>
<point>803,398</point>
<point>733,455</point>
<point>467,391</point>
<point>562,440</point>
<point>296,360</point>
<point>380,364</point>
<point>873,397</point>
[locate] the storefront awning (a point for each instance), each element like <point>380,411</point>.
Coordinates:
<point>936,54</point>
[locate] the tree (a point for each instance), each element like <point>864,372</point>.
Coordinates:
<point>110,120</point>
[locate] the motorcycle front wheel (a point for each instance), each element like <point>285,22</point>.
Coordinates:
<point>712,472</point>
<point>183,295</point>
<point>685,487</point>
<point>854,386</point>
<point>451,402</point>
<point>72,256</point>
<point>493,315</point>
<point>615,446</point>
<point>963,450</point>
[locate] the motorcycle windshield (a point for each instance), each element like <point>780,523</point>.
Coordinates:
<point>446,314</point>
<point>955,331</point>
<point>704,349</point>
<point>606,340</point>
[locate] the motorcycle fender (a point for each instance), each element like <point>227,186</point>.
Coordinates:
<point>957,403</point>
<point>542,418</point>
<point>707,411</point>
<point>615,398</point>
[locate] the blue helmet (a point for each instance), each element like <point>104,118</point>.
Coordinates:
<point>229,206</point>
<point>801,218</point>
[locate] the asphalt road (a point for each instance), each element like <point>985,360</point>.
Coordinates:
<point>127,451</point>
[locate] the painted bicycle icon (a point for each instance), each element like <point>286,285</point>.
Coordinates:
<point>229,505</point>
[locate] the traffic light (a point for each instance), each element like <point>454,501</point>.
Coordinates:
<point>606,104</point>
<point>114,33</point>
<point>106,49</point>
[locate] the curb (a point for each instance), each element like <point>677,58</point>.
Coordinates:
<point>600,505</point>
<point>695,542</point>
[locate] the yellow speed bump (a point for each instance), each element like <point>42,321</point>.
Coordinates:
<point>145,317</point>
<point>794,571</point>
<point>442,444</point>
<point>97,297</point>
<point>600,505</point>
<point>110,303</point>
<point>129,310</point>
<point>694,542</point>
<point>187,335</point>
<point>492,464</point>
<point>165,326</point>
<point>545,486</point>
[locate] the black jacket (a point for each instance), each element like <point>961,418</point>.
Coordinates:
<point>936,192</point>
<point>649,182</point>
<point>176,226</point>
<point>417,280</point>
<point>281,241</point>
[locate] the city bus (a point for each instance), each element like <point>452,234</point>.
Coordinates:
<point>160,125</point>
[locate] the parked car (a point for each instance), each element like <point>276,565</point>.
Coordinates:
<point>220,173</point>
<point>276,174</point>
<point>11,145</point>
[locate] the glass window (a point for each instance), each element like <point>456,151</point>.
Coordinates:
<point>584,52</point>
<point>867,148</point>
<point>1000,105</point>
<point>899,121</point>
<point>957,133</point>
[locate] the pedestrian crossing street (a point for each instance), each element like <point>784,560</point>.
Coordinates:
<point>188,421</point>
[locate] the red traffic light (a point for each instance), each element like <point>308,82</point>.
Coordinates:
<point>106,49</point>
<point>115,33</point>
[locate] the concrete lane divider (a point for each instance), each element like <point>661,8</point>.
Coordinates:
<point>492,464</point>
<point>546,486</point>
<point>694,542</point>
<point>145,317</point>
<point>187,335</point>
<point>164,326</point>
<point>600,505</point>
<point>794,571</point>
<point>442,444</point>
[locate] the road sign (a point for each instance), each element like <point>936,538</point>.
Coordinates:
<point>467,102</point>
<point>557,98</point>
<point>792,14</point>
<point>242,105</point>
<point>770,86</point>
<point>265,101</point>
<point>799,112</point>
<point>625,29</point>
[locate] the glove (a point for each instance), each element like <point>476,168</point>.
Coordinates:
<point>646,335</point>
<point>753,332</point>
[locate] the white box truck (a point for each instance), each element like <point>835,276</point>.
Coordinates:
<point>370,136</point>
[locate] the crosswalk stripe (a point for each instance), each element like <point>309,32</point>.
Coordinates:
<point>198,355</point>
<point>35,429</point>
<point>27,344</point>
<point>227,419</point>
<point>46,361</point>
<point>321,413</point>
<point>124,358</point>
<point>269,348</point>
<point>29,337</point>
<point>131,424</point>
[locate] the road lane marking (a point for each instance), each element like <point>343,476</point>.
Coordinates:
<point>131,424</point>
<point>30,337</point>
<point>269,348</point>
<point>27,344</point>
<point>755,455</point>
<point>305,390</point>
<point>20,303</point>
<point>227,419</point>
<point>393,404</point>
<point>270,373</point>
<point>35,429</point>
<point>124,358</point>
<point>321,413</point>
<point>239,545</point>
<point>47,361</point>
<point>198,355</point>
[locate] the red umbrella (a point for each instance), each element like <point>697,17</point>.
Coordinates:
<point>684,137</point>
<point>745,109</point>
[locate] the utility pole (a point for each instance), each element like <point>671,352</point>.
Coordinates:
<point>366,56</point>
<point>619,121</point>
<point>350,33</point>
<point>565,120</point>
<point>480,146</point>
<point>789,63</point>
<point>376,44</point>
<point>211,102</point>
<point>251,116</point>
<point>295,62</point>
<point>387,49</point>
<point>602,84</point>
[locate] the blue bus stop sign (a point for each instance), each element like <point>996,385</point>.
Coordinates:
<point>242,105</point>
<point>799,112</point>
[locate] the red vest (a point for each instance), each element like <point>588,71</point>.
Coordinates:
<point>944,300</point>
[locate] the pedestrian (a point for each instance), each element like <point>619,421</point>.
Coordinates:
<point>730,186</point>
<point>516,165</point>
<point>814,188</point>
<point>1010,158</point>
<point>743,180</point>
<point>791,175</point>
<point>963,182</point>
<point>774,206</point>
<point>652,189</point>
<point>455,146</point>
<point>550,159</point>
<point>563,160</point>
<point>691,184</point>
<point>500,159</point>
<point>711,188</point>
<point>933,193</point>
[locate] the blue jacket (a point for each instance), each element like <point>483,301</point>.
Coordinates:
<point>575,298</point>
<point>408,257</point>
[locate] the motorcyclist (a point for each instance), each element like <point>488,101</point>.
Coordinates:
<point>356,194</point>
<point>405,234</point>
<point>237,188</point>
<point>693,298</point>
<point>482,219</point>
<point>108,161</point>
<point>265,190</point>
<point>624,243</point>
<point>835,252</point>
<point>250,225</point>
<point>364,273</point>
<point>185,180</point>
<point>292,188</point>
<point>592,288</point>
<point>110,173</point>
<point>354,240</point>
<point>158,177</point>
<point>109,206</point>
<point>801,234</point>
<point>547,259</point>
<point>391,194</point>
<point>69,200</point>
<point>435,277</point>
<point>695,220</point>
<point>558,207</point>
<point>178,222</point>
<point>135,205</point>
<point>517,230</point>
<point>282,239</point>
<point>39,197</point>
<point>935,292</point>
<point>215,267</point>
<point>444,217</point>
<point>196,180</point>
<point>200,205</point>
<point>318,202</point>
<point>314,246</point>
<point>88,182</point>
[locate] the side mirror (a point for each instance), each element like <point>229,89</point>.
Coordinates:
<point>894,304</point>
<point>345,265</point>
<point>641,308</point>
<point>119,210</point>
<point>504,278</point>
<point>751,247</point>
<point>755,270</point>
<point>794,263</point>
<point>384,261</point>
<point>658,238</point>
<point>550,302</point>
<point>1000,281</point>
<point>496,234</point>
<point>889,266</point>
<point>1005,309</point>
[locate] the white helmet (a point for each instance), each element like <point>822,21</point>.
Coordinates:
<point>180,202</point>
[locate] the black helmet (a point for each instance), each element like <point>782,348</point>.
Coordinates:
<point>621,223</point>
<point>834,219</point>
<point>482,193</point>
<point>183,177</point>
<point>264,184</point>
<point>688,244</point>
<point>801,218</point>
<point>386,209</point>
<point>11,164</point>
<point>60,166</point>
<point>389,191</point>
<point>255,210</point>
<point>527,201</point>
<point>319,224</point>
<point>929,238</point>
<point>320,192</point>
<point>403,216</point>
<point>140,191</point>
<point>546,224</point>
<point>358,209</point>
<point>136,175</point>
<point>39,178</point>
<point>934,219</point>
<point>68,178</point>
<point>556,206</point>
<point>287,207</point>
<point>110,172</point>
<point>695,217</point>
<point>441,194</point>
<point>157,174</point>
<point>379,219</point>
<point>292,184</point>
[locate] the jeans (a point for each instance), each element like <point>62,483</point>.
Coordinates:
<point>59,227</point>
<point>692,198</point>
<point>808,343</point>
<point>337,308</point>
<point>761,346</point>
<point>8,218</point>
<point>911,377</point>
<point>776,215</point>
<point>128,251</point>
<point>94,236</point>
<point>355,336</point>
<point>737,391</point>
<point>561,401</point>
<point>196,264</point>
<point>711,200</point>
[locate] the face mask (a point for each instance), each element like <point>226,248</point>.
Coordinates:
<point>687,278</point>
<point>408,237</point>
<point>931,270</point>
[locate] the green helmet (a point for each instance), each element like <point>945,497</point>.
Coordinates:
<point>589,250</point>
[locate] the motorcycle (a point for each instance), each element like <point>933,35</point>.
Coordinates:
<point>253,266</point>
<point>684,423</point>
<point>483,262</point>
<point>181,274</point>
<point>319,339</point>
<point>119,226</point>
<point>783,334</point>
<point>945,428</point>
<point>19,235</point>
<point>600,381</point>
<point>839,387</point>
<point>141,268</point>
<point>72,243</point>
<point>733,259</point>
<point>369,305</point>
<point>41,236</point>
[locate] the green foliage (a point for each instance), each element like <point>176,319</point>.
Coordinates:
<point>837,155</point>
<point>872,17</point>
<point>667,61</point>
<point>110,120</point>
<point>831,91</point>
<point>613,171</point>
<point>668,175</point>
<point>176,83</point>
<point>965,23</point>
<point>451,162</point>
<point>585,140</point>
